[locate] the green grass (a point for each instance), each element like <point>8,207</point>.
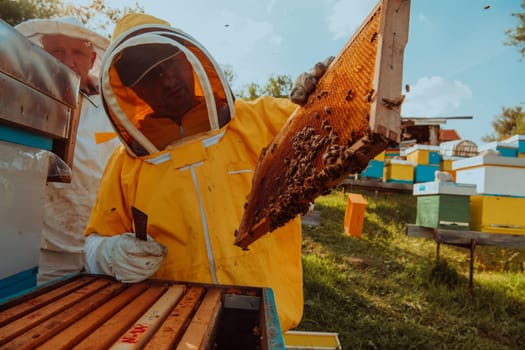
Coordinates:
<point>385,290</point>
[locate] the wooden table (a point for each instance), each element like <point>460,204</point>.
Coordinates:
<point>466,239</point>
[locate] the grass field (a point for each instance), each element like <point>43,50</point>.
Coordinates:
<point>385,290</point>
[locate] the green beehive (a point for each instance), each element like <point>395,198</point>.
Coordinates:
<point>443,205</point>
<point>443,211</point>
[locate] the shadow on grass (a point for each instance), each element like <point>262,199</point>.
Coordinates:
<point>384,291</point>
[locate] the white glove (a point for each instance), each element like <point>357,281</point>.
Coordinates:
<point>124,257</point>
<point>306,82</point>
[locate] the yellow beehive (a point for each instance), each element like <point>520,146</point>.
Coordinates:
<point>446,165</point>
<point>423,154</point>
<point>391,153</point>
<point>497,214</point>
<point>398,171</point>
<point>380,156</point>
<point>302,340</point>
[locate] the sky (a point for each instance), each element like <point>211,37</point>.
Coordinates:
<point>455,60</point>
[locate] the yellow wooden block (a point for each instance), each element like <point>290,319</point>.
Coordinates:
<point>423,154</point>
<point>380,156</point>
<point>311,340</point>
<point>446,164</point>
<point>497,214</point>
<point>355,214</point>
<point>401,171</point>
<point>521,155</point>
<point>418,157</point>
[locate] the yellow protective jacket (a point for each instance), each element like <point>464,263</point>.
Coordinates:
<point>194,192</point>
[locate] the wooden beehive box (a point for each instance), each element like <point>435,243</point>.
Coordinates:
<point>23,173</point>
<point>492,174</point>
<point>446,165</point>
<point>423,154</point>
<point>425,172</point>
<point>505,149</point>
<point>498,214</point>
<point>398,171</point>
<point>374,169</point>
<point>519,142</point>
<point>41,104</point>
<point>443,204</point>
<point>96,312</point>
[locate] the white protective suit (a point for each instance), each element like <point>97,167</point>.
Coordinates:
<point>68,205</point>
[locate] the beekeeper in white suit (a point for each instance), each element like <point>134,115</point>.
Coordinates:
<point>68,205</point>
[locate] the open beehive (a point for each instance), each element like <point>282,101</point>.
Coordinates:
<point>95,312</point>
<point>353,115</point>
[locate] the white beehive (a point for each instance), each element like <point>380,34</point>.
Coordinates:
<point>492,174</point>
<point>23,173</point>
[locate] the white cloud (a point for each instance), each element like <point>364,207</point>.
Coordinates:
<point>422,18</point>
<point>269,6</point>
<point>435,96</point>
<point>346,16</point>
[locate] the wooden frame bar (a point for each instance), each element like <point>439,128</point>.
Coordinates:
<point>97,312</point>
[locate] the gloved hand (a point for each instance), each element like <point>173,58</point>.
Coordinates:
<point>124,257</point>
<point>306,82</point>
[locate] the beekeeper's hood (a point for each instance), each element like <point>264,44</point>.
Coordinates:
<point>35,29</point>
<point>140,43</point>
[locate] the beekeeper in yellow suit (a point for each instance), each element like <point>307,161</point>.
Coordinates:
<point>189,152</point>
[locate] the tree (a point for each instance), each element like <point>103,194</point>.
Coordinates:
<point>97,15</point>
<point>517,35</point>
<point>250,91</point>
<point>227,69</point>
<point>277,86</point>
<point>510,122</point>
<point>16,11</point>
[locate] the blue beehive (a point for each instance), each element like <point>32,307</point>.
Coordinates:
<point>425,173</point>
<point>519,142</point>
<point>504,149</point>
<point>374,169</point>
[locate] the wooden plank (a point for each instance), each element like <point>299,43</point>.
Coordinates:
<point>173,328</point>
<point>377,185</point>
<point>65,148</point>
<point>80,330</point>
<point>460,237</point>
<point>419,231</point>
<point>269,323</point>
<point>106,334</point>
<point>200,331</point>
<point>12,313</point>
<point>45,330</point>
<point>316,340</point>
<point>385,117</point>
<point>23,324</point>
<point>138,334</point>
